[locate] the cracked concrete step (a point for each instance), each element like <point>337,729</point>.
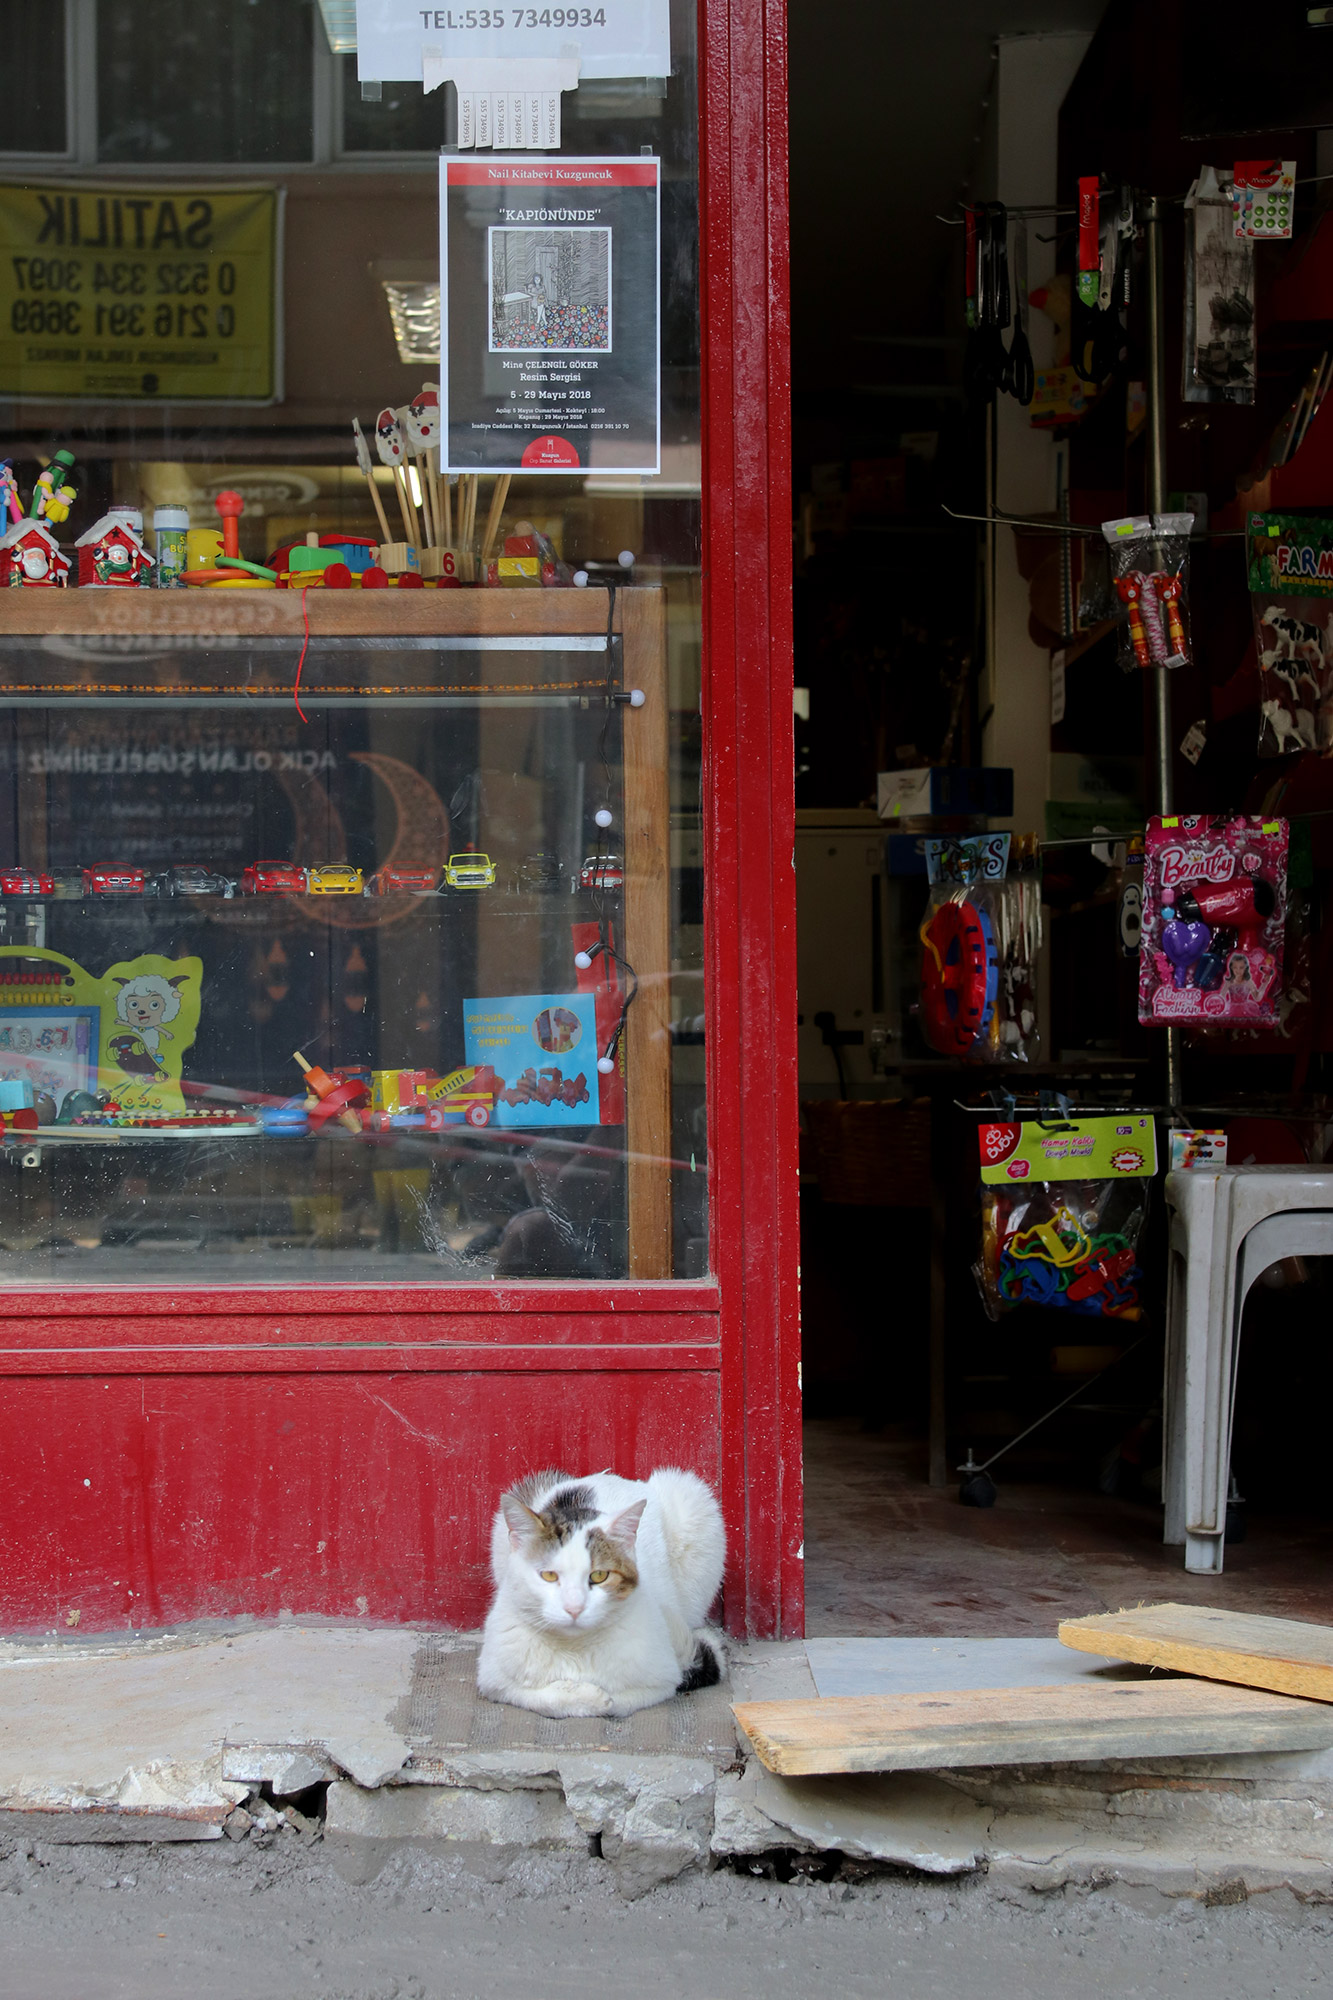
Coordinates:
<point>1069,1723</point>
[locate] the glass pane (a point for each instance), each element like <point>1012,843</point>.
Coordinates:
<point>33,39</point>
<point>328,886</point>
<point>219,80</point>
<point>403,119</point>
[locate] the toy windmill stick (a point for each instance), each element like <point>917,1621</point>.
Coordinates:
<point>444,493</point>
<point>417,449</point>
<point>468,524</point>
<point>367,469</point>
<point>392,448</point>
<point>498,498</point>
<point>420,420</point>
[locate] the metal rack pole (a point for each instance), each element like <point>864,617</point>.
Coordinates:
<point>1164,788</point>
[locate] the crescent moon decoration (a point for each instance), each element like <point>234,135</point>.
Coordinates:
<point>421,840</point>
<point>422,836</point>
<point>318,835</point>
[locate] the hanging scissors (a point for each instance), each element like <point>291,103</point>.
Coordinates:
<point>1020,379</point>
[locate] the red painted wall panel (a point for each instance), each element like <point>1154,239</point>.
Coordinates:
<point>141,1501</point>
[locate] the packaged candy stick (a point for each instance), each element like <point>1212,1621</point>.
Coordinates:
<point>1214,906</point>
<point>1150,575</point>
<point>1063,1203</point>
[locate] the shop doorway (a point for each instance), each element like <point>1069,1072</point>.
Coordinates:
<point>929,639</point>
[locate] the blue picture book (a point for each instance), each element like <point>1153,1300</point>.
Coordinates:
<point>544,1048</point>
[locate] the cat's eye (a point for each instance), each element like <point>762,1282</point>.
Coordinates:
<point>550,1576</point>
<point>598,1575</point>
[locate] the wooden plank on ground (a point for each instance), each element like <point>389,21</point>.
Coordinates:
<point>1050,1725</point>
<point>1283,1654</point>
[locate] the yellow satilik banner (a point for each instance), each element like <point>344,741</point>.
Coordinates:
<point>114,293</point>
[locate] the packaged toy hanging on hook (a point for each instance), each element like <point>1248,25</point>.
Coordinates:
<point>1063,1204</point>
<point>1150,574</point>
<point>1214,907</point>
<point>1291,601</point>
<point>979,943</point>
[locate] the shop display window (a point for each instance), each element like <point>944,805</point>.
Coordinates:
<point>347,934</point>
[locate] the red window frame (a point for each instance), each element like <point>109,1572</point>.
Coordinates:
<point>168,1453</point>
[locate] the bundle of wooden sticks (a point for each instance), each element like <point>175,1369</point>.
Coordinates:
<point>436,514</point>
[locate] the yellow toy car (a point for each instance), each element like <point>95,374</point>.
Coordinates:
<point>335,878</point>
<point>469,871</point>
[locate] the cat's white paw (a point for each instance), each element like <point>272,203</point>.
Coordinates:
<point>570,1698</point>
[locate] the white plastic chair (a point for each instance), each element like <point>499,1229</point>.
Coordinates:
<point>1227,1226</point>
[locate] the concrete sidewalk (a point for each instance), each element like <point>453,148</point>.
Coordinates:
<point>204,1733</point>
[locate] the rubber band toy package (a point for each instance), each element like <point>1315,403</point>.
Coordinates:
<point>1063,1204</point>
<point>979,943</point>
<point>1291,600</point>
<point>1214,907</point>
<point>1150,574</point>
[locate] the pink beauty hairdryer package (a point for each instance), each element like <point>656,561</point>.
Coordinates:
<point>1214,906</point>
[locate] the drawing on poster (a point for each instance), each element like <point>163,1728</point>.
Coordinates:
<point>550,291</point>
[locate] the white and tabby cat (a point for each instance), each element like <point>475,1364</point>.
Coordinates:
<point>602,1586</point>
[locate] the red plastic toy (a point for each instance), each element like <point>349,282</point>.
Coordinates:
<point>956,973</point>
<point>335,1096</point>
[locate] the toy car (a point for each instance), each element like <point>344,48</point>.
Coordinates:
<point>68,887</point>
<point>335,878</point>
<point>602,871</point>
<point>113,882</point>
<point>541,870</point>
<point>18,882</point>
<point>470,871</point>
<point>403,882</point>
<point>467,1094</point>
<point>273,878</point>
<point>190,879</point>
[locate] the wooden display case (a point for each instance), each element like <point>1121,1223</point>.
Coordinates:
<point>635,616</point>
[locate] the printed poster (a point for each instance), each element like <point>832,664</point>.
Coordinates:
<point>550,315</point>
<point>543,1049</point>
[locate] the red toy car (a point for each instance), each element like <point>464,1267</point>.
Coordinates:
<point>113,882</point>
<point>18,882</point>
<point>403,882</point>
<point>274,878</point>
<point>605,871</point>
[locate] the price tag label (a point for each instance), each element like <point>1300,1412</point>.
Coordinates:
<point>139,294</point>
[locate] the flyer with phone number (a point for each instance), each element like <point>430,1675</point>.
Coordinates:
<point>550,314</point>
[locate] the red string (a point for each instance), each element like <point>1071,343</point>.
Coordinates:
<point>296,690</point>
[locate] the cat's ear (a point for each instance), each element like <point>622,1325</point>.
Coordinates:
<point>626,1526</point>
<point>520,1520</point>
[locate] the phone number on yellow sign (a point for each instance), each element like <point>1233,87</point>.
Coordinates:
<point>87,266</point>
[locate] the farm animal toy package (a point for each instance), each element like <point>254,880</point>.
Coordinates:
<point>1291,597</point>
<point>1214,907</point>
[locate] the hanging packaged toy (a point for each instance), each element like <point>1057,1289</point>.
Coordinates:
<point>1063,1203</point>
<point>1150,574</point>
<point>1214,906</point>
<point>980,939</point>
<point>1218,344</point>
<point>1291,600</point>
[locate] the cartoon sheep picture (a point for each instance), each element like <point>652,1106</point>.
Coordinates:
<point>147,1003</point>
